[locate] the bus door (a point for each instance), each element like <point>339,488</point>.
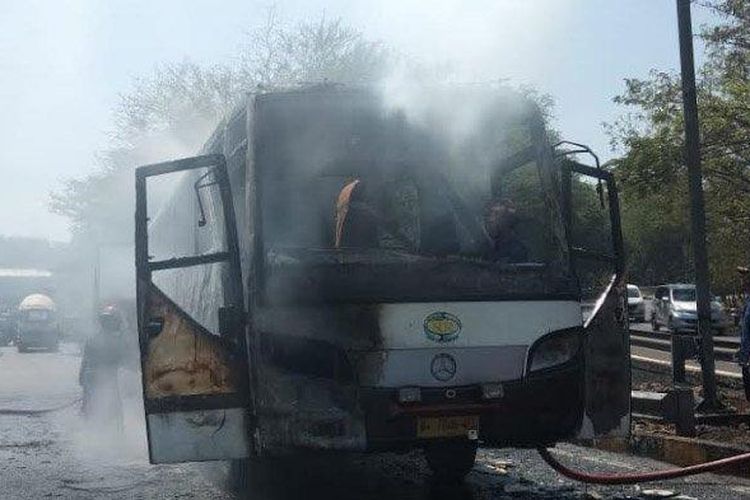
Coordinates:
<point>592,218</point>
<point>191,316</point>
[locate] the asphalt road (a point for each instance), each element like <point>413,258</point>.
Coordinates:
<point>56,454</point>
<point>645,328</point>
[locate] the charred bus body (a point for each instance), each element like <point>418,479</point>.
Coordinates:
<point>453,318</point>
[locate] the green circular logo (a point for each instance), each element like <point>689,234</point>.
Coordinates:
<point>442,326</point>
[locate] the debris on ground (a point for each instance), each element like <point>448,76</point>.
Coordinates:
<point>734,400</point>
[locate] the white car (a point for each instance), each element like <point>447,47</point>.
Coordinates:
<point>675,308</point>
<point>636,307</point>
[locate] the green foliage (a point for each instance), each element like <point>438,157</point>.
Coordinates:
<point>311,52</point>
<point>523,188</point>
<point>653,175</point>
<point>170,113</point>
<point>590,223</point>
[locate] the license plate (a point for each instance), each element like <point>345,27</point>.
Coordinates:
<point>437,427</point>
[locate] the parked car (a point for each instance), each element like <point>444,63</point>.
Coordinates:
<point>675,308</point>
<point>636,306</point>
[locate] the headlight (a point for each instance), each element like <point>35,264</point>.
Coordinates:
<point>554,349</point>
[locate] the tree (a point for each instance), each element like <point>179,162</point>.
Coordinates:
<point>652,172</point>
<point>171,113</point>
<point>311,52</point>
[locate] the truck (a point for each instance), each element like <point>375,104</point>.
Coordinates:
<point>360,269</point>
<point>37,325</point>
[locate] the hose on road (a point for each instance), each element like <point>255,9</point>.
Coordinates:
<point>639,477</point>
<point>13,411</point>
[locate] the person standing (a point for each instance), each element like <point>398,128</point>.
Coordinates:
<point>98,376</point>
<point>743,356</point>
<point>500,221</point>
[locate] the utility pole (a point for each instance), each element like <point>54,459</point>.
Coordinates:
<point>697,209</point>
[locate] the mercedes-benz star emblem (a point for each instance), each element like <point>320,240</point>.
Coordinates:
<point>443,367</point>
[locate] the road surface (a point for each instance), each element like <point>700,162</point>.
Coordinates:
<point>58,455</point>
<point>644,329</point>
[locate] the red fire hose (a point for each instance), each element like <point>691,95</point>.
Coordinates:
<point>609,478</point>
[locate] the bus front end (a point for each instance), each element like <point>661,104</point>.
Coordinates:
<point>418,288</point>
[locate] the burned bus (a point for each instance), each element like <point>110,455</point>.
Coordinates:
<point>356,270</point>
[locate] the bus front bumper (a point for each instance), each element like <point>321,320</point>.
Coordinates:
<point>538,410</point>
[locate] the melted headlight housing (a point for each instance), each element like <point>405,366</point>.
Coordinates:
<point>554,349</point>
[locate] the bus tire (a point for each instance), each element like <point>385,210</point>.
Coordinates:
<point>238,476</point>
<point>264,477</point>
<point>450,461</point>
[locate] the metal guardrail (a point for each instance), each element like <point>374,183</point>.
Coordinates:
<point>719,340</point>
<point>724,348</point>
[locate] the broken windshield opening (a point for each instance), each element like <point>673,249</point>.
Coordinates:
<point>374,183</point>
<point>421,215</point>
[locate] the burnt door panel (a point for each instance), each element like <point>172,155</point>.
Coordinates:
<point>191,313</point>
<point>592,216</point>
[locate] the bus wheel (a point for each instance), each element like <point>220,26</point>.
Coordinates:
<point>237,480</point>
<point>264,477</point>
<point>450,461</point>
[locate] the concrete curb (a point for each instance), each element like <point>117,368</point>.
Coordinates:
<point>681,451</point>
<point>676,450</point>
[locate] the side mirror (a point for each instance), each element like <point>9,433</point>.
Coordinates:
<point>200,184</point>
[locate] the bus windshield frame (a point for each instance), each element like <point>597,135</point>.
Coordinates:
<point>360,143</point>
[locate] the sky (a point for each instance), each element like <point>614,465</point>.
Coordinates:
<point>64,63</point>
